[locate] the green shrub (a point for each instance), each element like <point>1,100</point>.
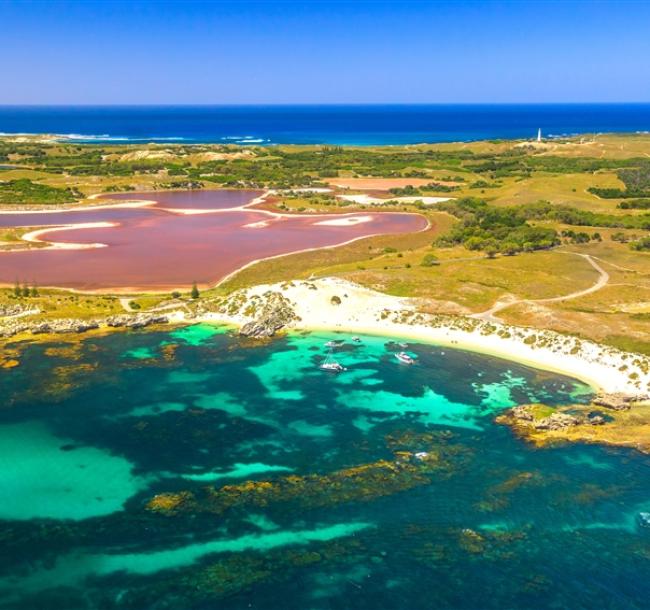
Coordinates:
<point>429,260</point>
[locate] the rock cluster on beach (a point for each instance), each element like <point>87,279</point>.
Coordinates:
<point>10,327</point>
<point>275,313</point>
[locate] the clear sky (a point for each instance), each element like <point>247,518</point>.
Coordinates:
<point>94,52</point>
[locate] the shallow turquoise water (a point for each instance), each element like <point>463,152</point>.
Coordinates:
<point>498,524</point>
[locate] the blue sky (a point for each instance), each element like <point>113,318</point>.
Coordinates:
<point>89,52</point>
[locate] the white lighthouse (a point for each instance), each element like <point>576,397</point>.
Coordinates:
<point>539,134</point>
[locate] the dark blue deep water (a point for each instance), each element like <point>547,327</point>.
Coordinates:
<point>192,470</point>
<point>358,124</point>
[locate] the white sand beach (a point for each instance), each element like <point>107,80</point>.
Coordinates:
<point>35,236</point>
<point>365,311</point>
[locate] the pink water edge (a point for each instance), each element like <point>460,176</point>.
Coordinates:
<point>165,246</point>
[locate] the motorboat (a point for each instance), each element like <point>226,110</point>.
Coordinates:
<point>404,358</point>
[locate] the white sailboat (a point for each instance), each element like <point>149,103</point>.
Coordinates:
<point>331,364</point>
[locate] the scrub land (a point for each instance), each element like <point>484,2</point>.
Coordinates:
<point>539,251</point>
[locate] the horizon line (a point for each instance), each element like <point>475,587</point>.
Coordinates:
<point>315,104</point>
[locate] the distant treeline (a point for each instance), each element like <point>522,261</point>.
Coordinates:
<point>616,193</point>
<point>544,210</point>
<point>635,204</point>
<point>636,180</point>
<point>278,167</point>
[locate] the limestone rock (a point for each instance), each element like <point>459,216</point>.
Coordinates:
<point>618,401</point>
<point>522,413</point>
<point>557,421</point>
<point>275,313</point>
<point>139,320</point>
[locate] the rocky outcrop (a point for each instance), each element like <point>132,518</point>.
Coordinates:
<point>559,420</point>
<point>275,313</point>
<point>16,309</point>
<point>74,325</point>
<point>64,326</point>
<point>522,413</point>
<point>139,320</point>
<point>618,402</point>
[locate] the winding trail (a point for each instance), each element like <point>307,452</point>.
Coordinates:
<point>603,280</point>
<point>125,302</point>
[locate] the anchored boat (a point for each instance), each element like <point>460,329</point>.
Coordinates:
<point>404,358</point>
<point>331,364</point>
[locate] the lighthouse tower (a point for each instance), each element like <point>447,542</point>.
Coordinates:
<point>539,134</point>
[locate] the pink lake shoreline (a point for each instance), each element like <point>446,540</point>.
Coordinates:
<point>154,248</point>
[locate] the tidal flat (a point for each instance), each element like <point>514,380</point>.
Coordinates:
<point>191,469</point>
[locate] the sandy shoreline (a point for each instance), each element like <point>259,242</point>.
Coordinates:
<point>35,236</point>
<point>364,311</point>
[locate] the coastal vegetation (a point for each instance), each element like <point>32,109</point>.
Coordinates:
<point>25,191</point>
<point>502,230</point>
<point>517,215</point>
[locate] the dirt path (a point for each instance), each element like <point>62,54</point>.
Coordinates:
<point>125,302</point>
<point>602,281</point>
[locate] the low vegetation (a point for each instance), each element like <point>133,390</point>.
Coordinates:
<point>519,213</point>
<point>24,191</point>
<point>495,230</point>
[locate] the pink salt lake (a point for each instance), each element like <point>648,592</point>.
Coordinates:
<point>183,236</point>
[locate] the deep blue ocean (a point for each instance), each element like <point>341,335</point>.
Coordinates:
<point>341,124</point>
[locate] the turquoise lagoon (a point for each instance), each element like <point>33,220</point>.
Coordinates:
<point>83,449</point>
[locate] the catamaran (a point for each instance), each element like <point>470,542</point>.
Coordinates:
<point>404,358</point>
<point>331,364</point>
